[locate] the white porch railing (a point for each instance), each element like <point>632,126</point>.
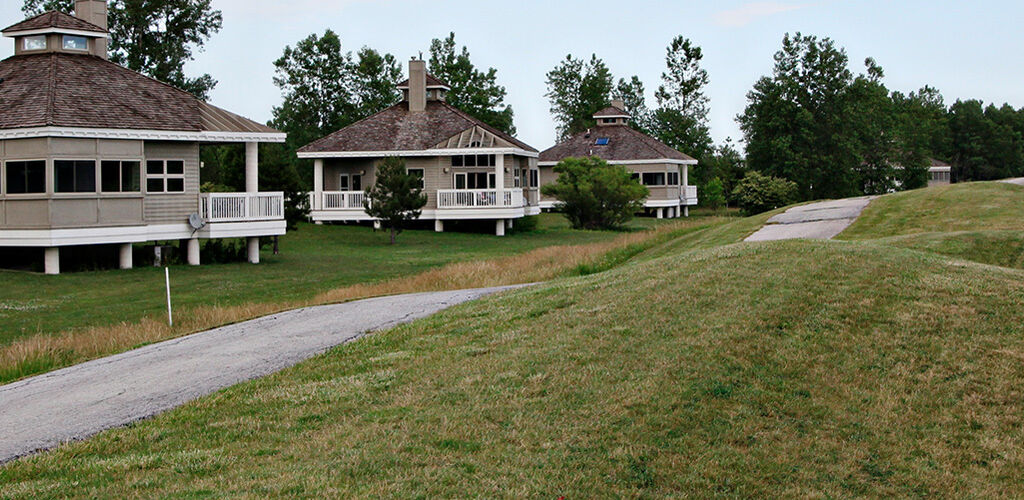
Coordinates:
<point>689,195</point>
<point>241,207</point>
<point>341,200</point>
<point>479,198</point>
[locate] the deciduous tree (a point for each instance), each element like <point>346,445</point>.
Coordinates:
<point>577,90</point>
<point>473,91</point>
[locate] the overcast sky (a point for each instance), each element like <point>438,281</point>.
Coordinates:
<point>967,49</point>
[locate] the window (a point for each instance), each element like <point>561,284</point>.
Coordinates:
<point>119,176</point>
<point>35,42</point>
<point>534,178</point>
<point>26,177</point>
<point>608,120</point>
<point>603,141</point>
<point>654,178</point>
<point>350,182</point>
<point>474,180</point>
<point>75,43</point>
<point>165,176</point>
<point>418,172</point>
<point>517,176</point>
<point>673,178</point>
<point>474,161</point>
<point>74,176</point>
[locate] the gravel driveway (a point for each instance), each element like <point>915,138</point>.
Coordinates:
<point>816,221</point>
<point>76,402</point>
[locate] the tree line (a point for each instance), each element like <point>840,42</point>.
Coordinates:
<point>812,121</point>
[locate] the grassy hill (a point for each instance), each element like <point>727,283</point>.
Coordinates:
<point>823,369</point>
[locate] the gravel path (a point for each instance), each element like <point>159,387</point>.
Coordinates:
<point>74,403</point>
<point>816,221</point>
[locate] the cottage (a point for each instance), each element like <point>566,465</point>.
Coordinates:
<point>662,169</point>
<point>470,170</point>
<point>92,153</point>
<point>939,173</point>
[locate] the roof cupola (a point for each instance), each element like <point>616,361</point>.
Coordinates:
<point>612,115</point>
<point>84,33</point>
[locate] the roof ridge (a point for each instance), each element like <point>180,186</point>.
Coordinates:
<point>53,12</point>
<point>50,90</point>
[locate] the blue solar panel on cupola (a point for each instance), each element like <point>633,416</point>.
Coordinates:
<point>602,141</point>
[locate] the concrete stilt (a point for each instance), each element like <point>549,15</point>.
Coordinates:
<point>509,223</point>
<point>193,252</point>
<point>439,226</point>
<point>51,260</point>
<point>254,250</point>
<point>499,228</point>
<point>661,213</point>
<point>377,225</point>
<point>125,256</point>
<point>686,211</point>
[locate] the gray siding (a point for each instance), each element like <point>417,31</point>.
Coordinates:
<point>173,208</point>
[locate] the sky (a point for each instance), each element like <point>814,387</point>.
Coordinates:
<point>967,50</point>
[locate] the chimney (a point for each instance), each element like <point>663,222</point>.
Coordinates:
<point>417,85</point>
<point>619,103</point>
<point>95,12</point>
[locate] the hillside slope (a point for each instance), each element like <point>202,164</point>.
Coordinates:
<point>777,369</point>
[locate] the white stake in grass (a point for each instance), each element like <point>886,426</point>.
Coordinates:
<point>167,279</point>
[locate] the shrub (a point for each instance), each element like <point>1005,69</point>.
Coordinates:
<point>758,193</point>
<point>595,195</point>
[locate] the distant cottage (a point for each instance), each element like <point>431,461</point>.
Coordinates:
<point>469,170</point>
<point>92,153</point>
<point>662,169</point>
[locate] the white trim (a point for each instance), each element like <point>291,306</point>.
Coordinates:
<point>422,152</point>
<point>359,215</point>
<point>630,162</point>
<point>606,117</point>
<point>61,31</point>
<point>152,135</point>
<point>940,169</point>
<point>136,234</point>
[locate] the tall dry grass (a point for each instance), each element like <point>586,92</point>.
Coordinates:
<point>45,352</point>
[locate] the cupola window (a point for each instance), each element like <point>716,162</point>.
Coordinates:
<point>75,43</point>
<point>35,42</point>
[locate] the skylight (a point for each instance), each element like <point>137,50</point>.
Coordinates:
<point>603,141</point>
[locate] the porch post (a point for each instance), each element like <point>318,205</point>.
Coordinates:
<point>193,252</point>
<point>499,178</point>
<point>125,256</point>
<point>51,260</point>
<point>499,228</point>
<point>318,184</point>
<point>252,185</point>
<point>686,176</point>
<point>252,167</point>
<point>254,250</point>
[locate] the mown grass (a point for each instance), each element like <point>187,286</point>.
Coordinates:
<point>997,248</point>
<point>784,369</point>
<point>318,265</point>
<point>978,206</point>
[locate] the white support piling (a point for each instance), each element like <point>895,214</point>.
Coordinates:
<point>125,256</point>
<point>193,252</point>
<point>51,260</point>
<point>439,226</point>
<point>499,228</point>
<point>254,250</point>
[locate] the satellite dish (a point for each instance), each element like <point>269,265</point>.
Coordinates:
<point>196,222</point>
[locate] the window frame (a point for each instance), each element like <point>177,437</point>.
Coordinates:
<point>95,175</point>
<point>517,177</point>
<point>669,178</point>
<point>664,178</point>
<point>460,161</point>
<point>121,162</point>
<point>64,43</point>
<point>489,177</point>
<point>25,40</point>
<point>534,178</point>
<point>165,176</point>
<point>5,187</point>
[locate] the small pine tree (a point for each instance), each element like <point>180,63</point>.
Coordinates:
<point>396,197</point>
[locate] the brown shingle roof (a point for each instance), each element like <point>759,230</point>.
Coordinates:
<point>610,111</point>
<point>624,144</point>
<point>396,129</point>
<point>937,163</point>
<point>78,90</point>
<point>432,82</point>
<point>54,19</point>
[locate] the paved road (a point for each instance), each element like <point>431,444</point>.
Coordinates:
<point>816,221</point>
<point>74,403</point>
<point>1018,181</point>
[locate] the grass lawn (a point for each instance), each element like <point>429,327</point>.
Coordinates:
<point>48,322</point>
<point>784,369</point>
